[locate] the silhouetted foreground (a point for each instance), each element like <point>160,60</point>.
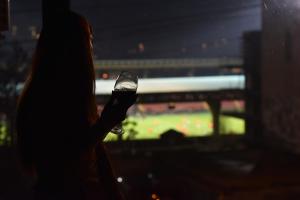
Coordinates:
<point>59,129</point>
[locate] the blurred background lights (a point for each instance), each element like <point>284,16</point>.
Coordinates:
<point>120,179</point>
<point>154,196</point>
<point>150,175</point>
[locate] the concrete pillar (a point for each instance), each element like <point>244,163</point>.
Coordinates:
<point>215,107</point>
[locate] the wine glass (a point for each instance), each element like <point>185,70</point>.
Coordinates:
<point>126,82</point>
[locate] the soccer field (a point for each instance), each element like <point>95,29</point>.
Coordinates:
<point>190,124</point>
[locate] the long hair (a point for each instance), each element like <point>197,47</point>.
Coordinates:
<point>60,90</point>
<point>57,106</point>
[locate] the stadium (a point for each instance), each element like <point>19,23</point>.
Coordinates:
<point>190,117</point>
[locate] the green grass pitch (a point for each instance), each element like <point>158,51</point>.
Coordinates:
<point>190,124</point>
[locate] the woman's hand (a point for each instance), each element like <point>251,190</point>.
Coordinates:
<point>114,111</point>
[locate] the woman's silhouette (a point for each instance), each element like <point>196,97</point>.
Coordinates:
<point>59,129</point>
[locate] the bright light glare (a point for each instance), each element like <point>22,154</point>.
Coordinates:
<point>120,179</point>
<point>297,2</point>
<point>182,84</point>
<point>150,175</point>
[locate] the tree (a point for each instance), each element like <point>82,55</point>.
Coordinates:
<point>13,68</point>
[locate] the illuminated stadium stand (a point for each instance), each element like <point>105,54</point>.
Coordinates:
<point>212,89</point>
<point>167,63</point>
<point>170,67</point>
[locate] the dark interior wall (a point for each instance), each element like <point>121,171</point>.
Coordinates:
<point>252,68</point>
<point>280,73</point>
<point>4,17</point>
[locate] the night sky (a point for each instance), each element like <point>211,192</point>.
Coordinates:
<point>156,29</point>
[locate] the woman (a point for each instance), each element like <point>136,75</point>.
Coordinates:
<point>59,129</point>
